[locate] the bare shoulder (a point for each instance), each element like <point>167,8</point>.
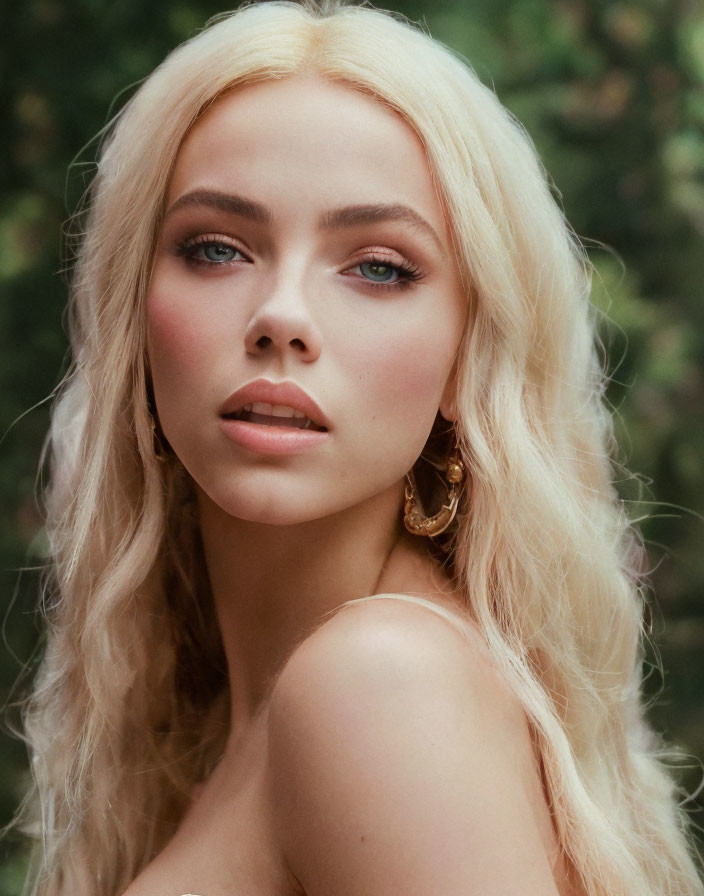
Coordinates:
<point>376,649</point>
<point>400,761</point>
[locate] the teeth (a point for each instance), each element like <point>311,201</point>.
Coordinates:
<point>275,410</point>
<point>266,414</point>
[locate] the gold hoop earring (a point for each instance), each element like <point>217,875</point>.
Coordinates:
<point>413,517</point>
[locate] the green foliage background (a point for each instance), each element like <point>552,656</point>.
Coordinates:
<point>613,95</point>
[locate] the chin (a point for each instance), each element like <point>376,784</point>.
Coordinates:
<point>257,506</point>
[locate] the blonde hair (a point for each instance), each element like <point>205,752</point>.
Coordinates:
<point>130,707</point>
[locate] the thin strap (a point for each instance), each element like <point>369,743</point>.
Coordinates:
<point>453,616</point>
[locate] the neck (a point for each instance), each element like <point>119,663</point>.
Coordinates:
<point>272,585</point>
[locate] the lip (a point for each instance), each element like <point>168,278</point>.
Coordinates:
<point>286,393</point>
<point>273,439</point>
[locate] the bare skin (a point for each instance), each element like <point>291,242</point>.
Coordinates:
<point>236,838</point>
<point>376,750</point>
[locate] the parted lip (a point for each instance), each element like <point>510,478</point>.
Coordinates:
<point>286,393</point>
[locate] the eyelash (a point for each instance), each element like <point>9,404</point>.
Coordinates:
<point>188,248</point>
<point>407,272</point>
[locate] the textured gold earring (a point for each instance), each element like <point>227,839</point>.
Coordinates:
<point>413,517</point>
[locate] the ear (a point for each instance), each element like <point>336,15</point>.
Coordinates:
<point>448,401</point>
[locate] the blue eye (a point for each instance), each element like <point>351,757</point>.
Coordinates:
<point>378,272</point>
<point>210,252</point>
<point>218,252</point>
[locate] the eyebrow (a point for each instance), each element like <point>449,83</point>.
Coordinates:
<point>357,215</point>
<point>336,219</point>
<point>223,202</point>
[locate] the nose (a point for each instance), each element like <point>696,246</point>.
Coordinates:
<point>282,324</point>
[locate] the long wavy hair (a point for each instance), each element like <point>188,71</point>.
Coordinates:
<point>130,706</point>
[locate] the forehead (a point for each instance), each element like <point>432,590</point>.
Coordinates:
<point>311,138</point>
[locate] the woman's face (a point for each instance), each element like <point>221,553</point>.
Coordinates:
<point>305,309</point>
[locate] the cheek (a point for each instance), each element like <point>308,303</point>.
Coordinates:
<point>401,371</point>
<point>189,337</point>
<point>411,365</point>
<point>182,346</point>
<point>175,339</point>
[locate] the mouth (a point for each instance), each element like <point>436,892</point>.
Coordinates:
<point>265,414</point>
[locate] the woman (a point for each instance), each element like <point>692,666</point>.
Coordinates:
<point>342,600</point>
